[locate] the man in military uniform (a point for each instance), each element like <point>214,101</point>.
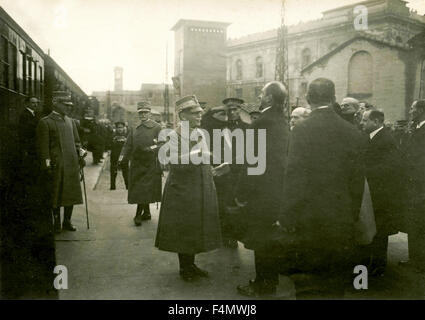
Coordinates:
<point>226,182</point>
<point>145,176</point>
<point>118,141</point>
<point>188,221</point>
<point>59,147</point>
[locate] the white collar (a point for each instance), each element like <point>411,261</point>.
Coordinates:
<point>420,124</point>
<point>323,107</point>
<point>32,111</point>
<point>373,133</point>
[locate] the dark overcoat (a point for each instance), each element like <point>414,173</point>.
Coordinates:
<point>415,154</point>
<point>145,173</point>
<point>188,219</point>
<point>28,256</point>
<point>324,182</point>
<point>263,193</point>
<point>384,175</point>
<point>58,140</point>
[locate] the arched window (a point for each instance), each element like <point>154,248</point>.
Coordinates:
<point>305,57</point>
<point>360,75</point>
<point>239,69</point>
<point>259,67</point>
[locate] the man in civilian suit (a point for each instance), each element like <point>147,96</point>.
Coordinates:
<point>322,195</point>
<point>383,173</point>
<point>261,195</point>
<point>415,217</point>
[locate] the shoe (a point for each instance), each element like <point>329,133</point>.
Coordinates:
<point>187,275</point>
<point>68,226</point>
<point>232,244</point>
<point>255,289</point>
<point>146,216</point>
<point>138,220</point>
<point>199,272</point>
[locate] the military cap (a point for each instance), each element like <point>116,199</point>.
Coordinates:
<point>218,109</point>
<point>143,106</point>
<point>235,101</point>
<point>187,102</point>
<point>118,123</point>
<point>62,96</point>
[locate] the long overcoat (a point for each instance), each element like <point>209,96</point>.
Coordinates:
<point>385,178</point>
<point>415,155</point>
<point>58,140</point>
<point>263,193</point>
<point>188,219</point>
<point>324,181</point>
<point>145,173</point>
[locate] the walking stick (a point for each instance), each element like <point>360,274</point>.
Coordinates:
<point>85,196</point>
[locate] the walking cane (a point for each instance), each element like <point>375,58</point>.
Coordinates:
<point>84,153</point>
<point>85,197</point>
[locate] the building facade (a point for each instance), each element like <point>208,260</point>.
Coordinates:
<point>373,62</point>
<point>121,105</point>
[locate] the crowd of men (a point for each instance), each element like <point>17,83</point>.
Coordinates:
<point>303,215</point>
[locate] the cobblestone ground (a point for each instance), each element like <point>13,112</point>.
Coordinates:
<point>116,260</point>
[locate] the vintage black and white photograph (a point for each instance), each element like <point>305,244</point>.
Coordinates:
<point>238,150</point>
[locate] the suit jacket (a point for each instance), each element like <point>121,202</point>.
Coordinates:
<point>27,145</point>
<point>383,171</point>
<point>263,193</point>
<point>415,154</point>
<point>324,181</point>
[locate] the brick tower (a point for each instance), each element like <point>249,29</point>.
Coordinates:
<point>200,59</point>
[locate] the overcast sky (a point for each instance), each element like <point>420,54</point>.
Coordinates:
<point>89,37</point>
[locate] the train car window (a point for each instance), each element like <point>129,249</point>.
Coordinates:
<point>41,81</point>
<point>24,73</point>
<point>4,63</point>
<point>29,76</point>
<point>34,78</point>
<point>13,69</point>
<point>21,71</point>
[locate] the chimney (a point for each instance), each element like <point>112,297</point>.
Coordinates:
<point>118,71</point>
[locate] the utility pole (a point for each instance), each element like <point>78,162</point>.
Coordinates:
<point>281,70</point>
